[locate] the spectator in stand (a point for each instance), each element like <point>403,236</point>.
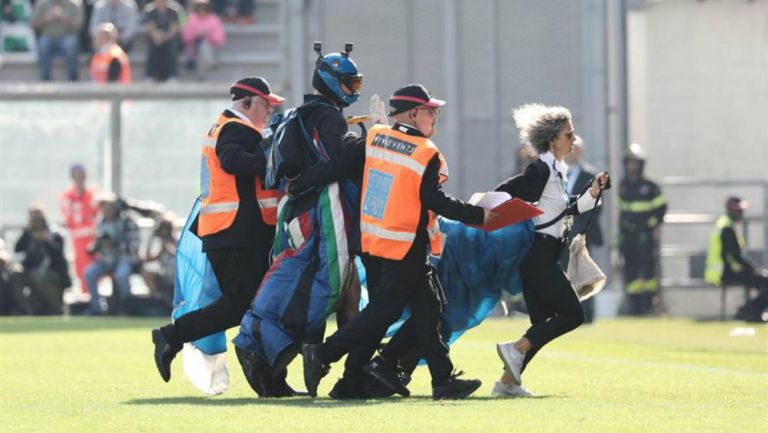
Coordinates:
<point>40,285</point>
<point>58,23</point>
<point>122,13</point>
<point>109,63</point>
<point>160,259</point>
<point>235,11</point>
<point>202,33</point>
<point>16,35</point>
<point>116,252</point>
<point>162,24</point>
<point>84,35</point>
<point>79,210</point>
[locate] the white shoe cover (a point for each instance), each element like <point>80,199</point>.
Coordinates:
<point>209,373</point>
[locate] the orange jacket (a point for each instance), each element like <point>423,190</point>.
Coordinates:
<point>220,200</point>
<point>101,61</point>
<point>389,215</point>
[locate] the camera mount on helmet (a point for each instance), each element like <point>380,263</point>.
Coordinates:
<point>334,70</point>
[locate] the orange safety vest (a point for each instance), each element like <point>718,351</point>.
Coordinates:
<point>220,200</point>
<point>391,207</point>
<point>101,61</point>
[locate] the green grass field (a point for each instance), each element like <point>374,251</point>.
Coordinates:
<point>656,375</point>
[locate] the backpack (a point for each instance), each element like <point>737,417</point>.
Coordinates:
<point>290,146</point>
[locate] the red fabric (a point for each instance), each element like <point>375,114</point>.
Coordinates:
<point>82,258</point>
<point>511,212</point>
<point>80,212</point>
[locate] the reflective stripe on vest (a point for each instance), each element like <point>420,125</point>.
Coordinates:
<point>395,158</point>
<point>267,199</point>
<point>713,273</point>
<point>218,189</point>
<point>387,234</point>
<point>642,205</point>
<point>435,237</point>
<point>391,204</point>
<point>220,207</point>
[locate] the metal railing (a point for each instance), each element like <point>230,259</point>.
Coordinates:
<point>116,94</point>
<point>688,219</point>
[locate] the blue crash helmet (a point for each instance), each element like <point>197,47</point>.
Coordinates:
<point>335,69</point>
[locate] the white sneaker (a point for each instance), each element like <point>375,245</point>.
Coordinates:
<point>512,359</point>
<point>509,390</point>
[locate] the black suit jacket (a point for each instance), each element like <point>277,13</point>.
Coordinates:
<point>595,233</point>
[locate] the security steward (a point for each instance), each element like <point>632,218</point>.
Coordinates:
<point>236,220</point>
<point>642,208</point>
<point>109,63</point>
<point>726,263</point>
<point>402,172</point>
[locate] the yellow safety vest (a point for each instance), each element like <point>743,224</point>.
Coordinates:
<point>713,272</point>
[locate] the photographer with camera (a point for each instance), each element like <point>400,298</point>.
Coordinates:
<point>40,284</point>
<point>160,259</point>
<point>115,252</point>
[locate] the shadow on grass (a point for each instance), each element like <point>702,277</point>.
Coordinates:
<point>309,402</point>
<point>22,324</point>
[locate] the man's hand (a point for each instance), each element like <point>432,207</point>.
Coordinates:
<point>378,111</point>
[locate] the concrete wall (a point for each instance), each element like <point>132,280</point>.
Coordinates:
<point>698,74</point>
<point>699,89</point>
<point>509,53</point>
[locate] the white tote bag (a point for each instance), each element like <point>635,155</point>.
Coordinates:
<point>586,277</point>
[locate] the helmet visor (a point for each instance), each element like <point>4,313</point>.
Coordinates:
<point>353,82</point>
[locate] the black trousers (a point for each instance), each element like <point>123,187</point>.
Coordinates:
<point>403,347</point>
<point>393,285</point>
<point>553,306</point>
<point>752,308</point>
<point>161,60</point>
<point>239,272</point>
<point>641,273</point>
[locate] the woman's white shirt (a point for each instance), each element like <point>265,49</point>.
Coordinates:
<point>554,198</point>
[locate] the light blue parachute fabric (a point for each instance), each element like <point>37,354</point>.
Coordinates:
<point>195,285</point>
<point>474,269</point>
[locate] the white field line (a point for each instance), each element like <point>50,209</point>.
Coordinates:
<point>650,364</point>
<point>628,362</point>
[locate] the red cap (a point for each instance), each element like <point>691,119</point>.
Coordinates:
<point>255,86</point>
<point>736,203</point>
<point>412,96</point>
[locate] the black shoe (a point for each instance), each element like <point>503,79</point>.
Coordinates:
<point>454,388</point>
<point>314,369</point>
<point>386,373</point>
<point>164,354</point>
<point>253,370</point>
<point>375,389</point>
<point>280,388</point>
<point>348,389</point>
